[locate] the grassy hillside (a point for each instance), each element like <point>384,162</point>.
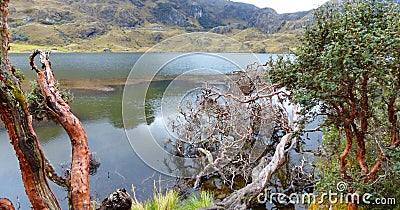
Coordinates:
<point>137,25</point>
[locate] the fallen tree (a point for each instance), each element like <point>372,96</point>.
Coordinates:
<point>239,132</point>
<point>241,199</point>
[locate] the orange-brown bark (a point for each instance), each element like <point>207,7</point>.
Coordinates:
<point>360,134</point>
<point>351,206</point>
<point>375,167</point>
<point>346,151</point>
<point>79,175</point>
<point>6,204</point>
<point>357,131</point>
<point>28,176</point>
<point>394,134</point>
<point>15,115</point>
<point>348,116</point>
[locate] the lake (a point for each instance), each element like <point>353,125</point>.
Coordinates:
<point>156,83</point>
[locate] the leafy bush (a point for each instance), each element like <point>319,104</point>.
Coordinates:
<point>207,22</point>
<point>37,103</point>
<point>346,69</point>
<point>18,36</point>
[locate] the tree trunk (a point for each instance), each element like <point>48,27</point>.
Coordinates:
<point>6,204</point>
<point>346,151</point>
<point>79,175</point>
<point>118,200</point>
<point>241,199</point>
<point>394,133</point>
<point>14,113</point>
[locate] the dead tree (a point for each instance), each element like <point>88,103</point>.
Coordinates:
<point>237,126</point>
<point>55,104</point>
<point>243,198</point>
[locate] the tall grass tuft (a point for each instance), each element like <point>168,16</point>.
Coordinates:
<point>170,201</point>
<point>194,202</point>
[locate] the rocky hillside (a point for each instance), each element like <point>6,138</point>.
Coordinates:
<point>136,25</point>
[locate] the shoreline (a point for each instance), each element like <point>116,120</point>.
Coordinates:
<point>28,48</point>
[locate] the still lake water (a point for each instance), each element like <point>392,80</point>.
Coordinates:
<point>97,82</point>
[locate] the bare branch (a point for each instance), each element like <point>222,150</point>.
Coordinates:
<point>79,175</point>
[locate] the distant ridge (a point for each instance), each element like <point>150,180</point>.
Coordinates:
<point>136,25</point>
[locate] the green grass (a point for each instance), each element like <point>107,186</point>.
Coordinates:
<point>170,200</point>
<point>141,40</point>
<point>22,48</point>
<point>69,31</point>
<point>195,202</point>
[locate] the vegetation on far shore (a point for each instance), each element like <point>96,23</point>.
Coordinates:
<point>346,70</point>
<point>141,40</point>
<point>136,26</point>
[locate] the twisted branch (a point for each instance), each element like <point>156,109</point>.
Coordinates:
<point>79,175</point>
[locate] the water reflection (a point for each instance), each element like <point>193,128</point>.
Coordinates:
<point>97,82</point>
<point>95,104</point>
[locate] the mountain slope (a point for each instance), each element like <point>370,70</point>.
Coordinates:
<point>136,25</point>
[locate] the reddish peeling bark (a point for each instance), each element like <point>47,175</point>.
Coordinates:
<point>358,131</point>
<point>31,163</point>
<point>6,204</point>
<point>79,175</point>
<point>394,134</point>
<point>351,206</point>
<point>375,168</point>
<point>360,149</point>
<point>348,117</point>
<point>346,151</point>
<point>15,115</point>
<point>360,134</point>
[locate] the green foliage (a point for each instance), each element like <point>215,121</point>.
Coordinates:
<point>347,40</point>
<point>37,103</point>
<point>195,202</point>
<point>163,7</point>
<point>18,73</point>
<point>18,36</point>
<point>347,69</point>
<point>207,22</point>
<point>170,200</point>
<point>46,22</point>
<point>394,154</point>
<point>384,187</point>
<point>328,161</point>
<point>350,43</point>
<point>167,201</point>
<point>16,91</point>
